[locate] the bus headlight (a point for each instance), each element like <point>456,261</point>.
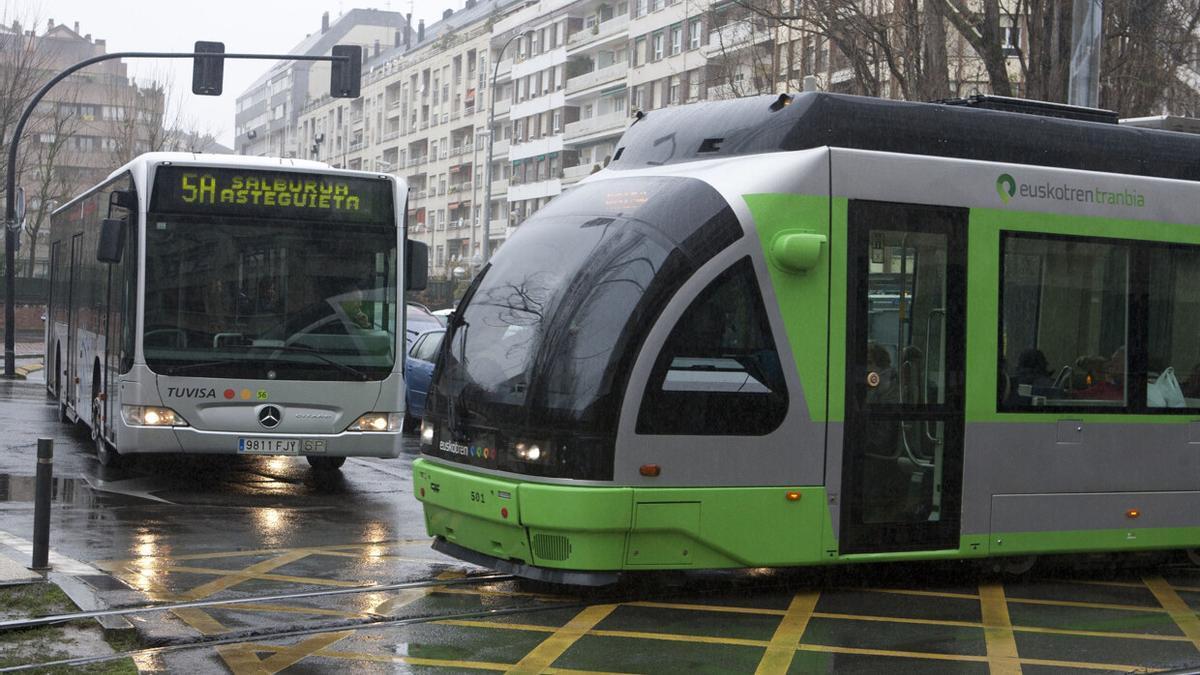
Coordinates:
<point>377,421</point>
<point>427,432</point>
<point>151,416</point>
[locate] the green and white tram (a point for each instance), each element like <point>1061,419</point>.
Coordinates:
<point>232,305</point>
<point>828,329</point>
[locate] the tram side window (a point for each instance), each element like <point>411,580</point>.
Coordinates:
<point>1063,323</point>
<point>1173,325</point>
<point>719,372</point>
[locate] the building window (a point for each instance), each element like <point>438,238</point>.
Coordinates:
<point>639,51</point>
<point>676,39</point>
<point>673,91</point>
<point>659,43</point>
<point>694,34</point>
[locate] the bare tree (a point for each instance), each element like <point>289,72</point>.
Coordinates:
<point>1147,64</point>
<point>51,180</point>
<point>24,61</point>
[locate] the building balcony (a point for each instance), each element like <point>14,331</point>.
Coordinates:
<point>390,136</point>
<point>614,122</point>
<point>596,78</point>
<point>464,149</point>
<point>574,174</point>
<point>602,31</point>
<point>500,147</point>
<point>535,190</point>
<point>499,187</point>
<point>735,35</point>
<point>503,105</point>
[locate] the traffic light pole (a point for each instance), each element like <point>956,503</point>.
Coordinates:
<point>11,226</point>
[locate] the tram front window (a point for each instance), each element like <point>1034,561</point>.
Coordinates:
<point>540,349</point>
<point>228,297</point>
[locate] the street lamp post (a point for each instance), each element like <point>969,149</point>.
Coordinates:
<point>487,191</point>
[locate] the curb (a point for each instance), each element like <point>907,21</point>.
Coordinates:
<point>88,601</point>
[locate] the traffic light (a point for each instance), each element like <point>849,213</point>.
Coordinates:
<point>208,72</point>
<point>345,74</point>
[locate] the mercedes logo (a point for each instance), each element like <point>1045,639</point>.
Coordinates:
<point>269,416</point>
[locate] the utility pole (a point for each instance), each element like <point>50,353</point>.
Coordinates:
<point>1087,19</point>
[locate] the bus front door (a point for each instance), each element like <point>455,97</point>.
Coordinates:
<point>902,453</point>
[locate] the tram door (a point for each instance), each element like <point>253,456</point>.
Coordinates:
<point>903,445</point>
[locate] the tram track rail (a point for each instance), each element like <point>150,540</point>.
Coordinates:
<point>49,620</point>
<point>262,635</point>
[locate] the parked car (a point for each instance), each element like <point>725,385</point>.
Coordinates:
<point>419,322</point>
<point>418,371</point>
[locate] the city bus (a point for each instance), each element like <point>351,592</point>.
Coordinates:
<point>232,305</point>
<point>829,329</point>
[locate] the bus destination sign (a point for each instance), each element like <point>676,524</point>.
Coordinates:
<point>271,194</point>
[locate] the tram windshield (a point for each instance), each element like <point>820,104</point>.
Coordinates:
<point>544,341</point>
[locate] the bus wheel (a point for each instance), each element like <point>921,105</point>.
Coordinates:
<point>1193,556</point>
<point>106,453</point>
<point>325,463</point>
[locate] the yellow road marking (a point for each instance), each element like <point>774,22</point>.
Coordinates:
<point>998,631</point>
<point>247,575</point>
<point>331,549</point>
<point>708,608</point>
<point>1085,605</point>
<point>290,656</point>
<point>898,619</point>
<point>243,659</point>
<point>923,594</point>
<point>676,637</point>
<point>290,609</point>
<point>778,657</point>
<point>1100,634</point>
<point>1183,615</point>
<point>468,623</point>
<point>561,640</point>
<point>402,599</point>
<point>233,578</point>
<point>200,620</point>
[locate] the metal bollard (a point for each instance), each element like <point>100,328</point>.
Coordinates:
<point>41,504</point>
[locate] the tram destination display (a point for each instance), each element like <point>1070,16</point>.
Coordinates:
<point>270,194</point>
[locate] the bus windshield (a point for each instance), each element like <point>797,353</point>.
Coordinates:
<point>269,299</point>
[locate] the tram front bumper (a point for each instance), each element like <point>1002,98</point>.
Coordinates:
<point>517,526</point>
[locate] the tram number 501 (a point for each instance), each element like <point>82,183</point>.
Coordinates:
<point>476,496</point>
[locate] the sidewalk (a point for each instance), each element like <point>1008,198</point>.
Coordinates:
<point>29,348</point>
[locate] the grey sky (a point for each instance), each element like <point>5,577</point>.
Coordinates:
<point>267,26</point>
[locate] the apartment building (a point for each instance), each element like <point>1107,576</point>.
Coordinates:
<point>423,115</point>
<point>81,130</point>
<point>569,76</point>
<point>267,111</point>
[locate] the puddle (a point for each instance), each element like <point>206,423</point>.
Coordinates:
<point>73,491</point>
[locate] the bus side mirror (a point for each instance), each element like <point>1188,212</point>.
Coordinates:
<point>112,240</point>
<point>416,265</point>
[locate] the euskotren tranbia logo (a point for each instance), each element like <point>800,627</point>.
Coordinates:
<point>1008,188</point>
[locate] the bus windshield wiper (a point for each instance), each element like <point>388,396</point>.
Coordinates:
<point>311,352</point>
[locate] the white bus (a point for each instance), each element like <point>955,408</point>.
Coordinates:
<point>237,305</point>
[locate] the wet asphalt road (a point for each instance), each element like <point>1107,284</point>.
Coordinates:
<point>174,529</point>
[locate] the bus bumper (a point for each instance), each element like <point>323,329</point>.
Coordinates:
<point>188,440</point>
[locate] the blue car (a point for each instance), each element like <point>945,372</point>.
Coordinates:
<point>418,320</point>
<point>418,371</point>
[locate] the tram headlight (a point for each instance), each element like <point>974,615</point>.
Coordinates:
<point>151,416</point>
<point>377,421</point>
<point>427,433</point>
<point>531,452</point>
